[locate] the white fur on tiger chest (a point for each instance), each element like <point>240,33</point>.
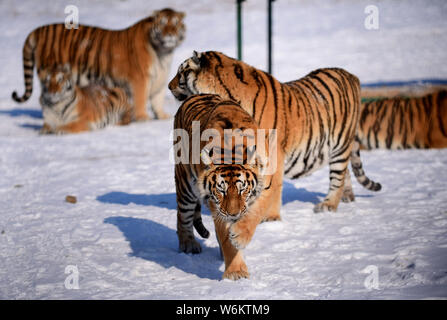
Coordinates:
<point>158,72</point>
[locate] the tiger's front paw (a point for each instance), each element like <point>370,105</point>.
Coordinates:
<point>272,217</point>
<point>239,235</point>
<point>325,206</point>
<point>162,115</point>
<point>190,246</point>
<point>236,274</point>
<point>46,129</point>
<point>142,118</point>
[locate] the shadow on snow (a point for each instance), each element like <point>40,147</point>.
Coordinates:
<point>168,200</point>
<point>163,200</point>
<point>290,193</point>
<point>155,242</point>
<point>17,112</point>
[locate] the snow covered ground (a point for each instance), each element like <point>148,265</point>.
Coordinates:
<point>121,232</point>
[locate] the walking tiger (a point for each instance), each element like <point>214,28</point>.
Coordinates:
<point>316,118</point>
<point>230,179</point>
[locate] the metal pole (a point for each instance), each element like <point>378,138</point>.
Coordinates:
<point>239,28</point>
<point>269,32</point>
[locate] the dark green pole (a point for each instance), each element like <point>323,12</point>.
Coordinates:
<point>239,28</point>
<point>269,35</point>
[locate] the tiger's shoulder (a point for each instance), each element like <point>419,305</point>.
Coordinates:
<point>213,112</point>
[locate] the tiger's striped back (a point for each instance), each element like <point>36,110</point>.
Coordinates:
<point>88,50</point>
<point>404,123</point>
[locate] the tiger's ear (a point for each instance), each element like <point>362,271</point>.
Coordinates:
<point>206,155</point>
<point>196,57</point>
<point>200,59</point>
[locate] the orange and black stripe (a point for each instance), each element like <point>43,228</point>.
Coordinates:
<point>404,122</point>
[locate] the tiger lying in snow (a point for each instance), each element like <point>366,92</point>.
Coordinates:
<point>70,109</point>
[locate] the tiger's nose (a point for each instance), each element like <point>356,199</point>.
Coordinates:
<point>233,208</point>
<point>171,84</point>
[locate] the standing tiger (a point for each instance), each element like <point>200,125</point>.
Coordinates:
<point>228,178</point>
<point>67,108</point>
<point>404,122</point>
<point>316,118</point>
<point>138,57</point>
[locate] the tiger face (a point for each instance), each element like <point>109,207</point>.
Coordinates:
<point>230,189</point>
<point>168,29</point>
<point>57,85</point>
<point>201,74</point>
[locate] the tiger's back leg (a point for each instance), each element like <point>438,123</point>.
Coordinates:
<point>275,191</point>
<point>338,169</point>
<point>157,103</point>
<point>140,94</point>
<point>188,215</point>
<point>348,194</point>
<point>185,230</point>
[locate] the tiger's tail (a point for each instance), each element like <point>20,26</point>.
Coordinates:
<point>28,68</point>
<point>198,224</point>
<point>356,164</point>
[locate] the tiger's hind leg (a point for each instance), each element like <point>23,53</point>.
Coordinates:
<point>185,223</point>
<point>275,197</point>
<point>348,194</point>
<point>338,168</point>
<point>140,90</point>
<point>157,102</point>
<point>188,215</point>
<point>274,213</point>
